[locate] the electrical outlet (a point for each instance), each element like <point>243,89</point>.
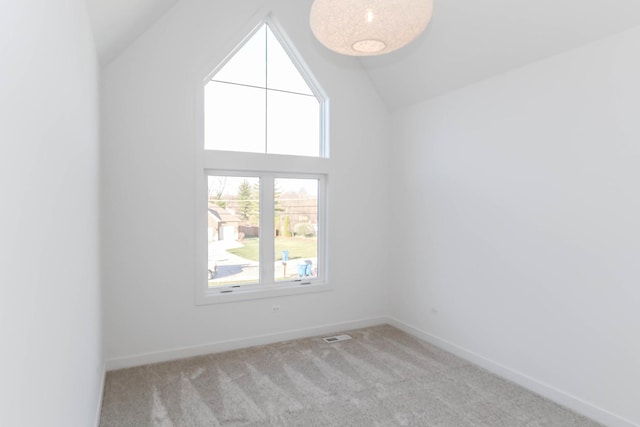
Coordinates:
<point>275,308</point>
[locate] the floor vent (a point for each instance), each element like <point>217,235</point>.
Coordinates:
<point>336,338</point>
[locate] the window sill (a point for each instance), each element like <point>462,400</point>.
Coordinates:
<point>214,296</point>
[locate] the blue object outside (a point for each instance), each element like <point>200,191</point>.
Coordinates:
<point>304,268</point>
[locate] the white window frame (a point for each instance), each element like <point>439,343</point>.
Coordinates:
<point>231,163</point>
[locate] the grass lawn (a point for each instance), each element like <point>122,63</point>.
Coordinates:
<point>298,247</point>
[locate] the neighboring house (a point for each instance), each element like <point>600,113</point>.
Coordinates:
<point>222,224</point>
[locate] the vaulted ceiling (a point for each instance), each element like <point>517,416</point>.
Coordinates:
<point>117,23</point>
<point>466,41</point>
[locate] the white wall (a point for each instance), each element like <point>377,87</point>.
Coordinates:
<point>148,170</point>
<point>50,359</point>
<point>522,240</point>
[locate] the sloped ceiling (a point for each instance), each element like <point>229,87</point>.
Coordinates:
<point>470,40</point>
<point>467,40</point>
<point>117,23</point>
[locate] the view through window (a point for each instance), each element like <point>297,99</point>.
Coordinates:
<point>233,230</point>
<point>296,228</point>
<point>264,216</point>
<point>233,222</point>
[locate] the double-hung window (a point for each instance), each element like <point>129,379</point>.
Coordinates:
<point>263,163</point>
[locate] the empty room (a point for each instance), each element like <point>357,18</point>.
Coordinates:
<point>320,213</point>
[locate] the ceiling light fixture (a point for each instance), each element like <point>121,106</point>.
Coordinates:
<point>368,27</point>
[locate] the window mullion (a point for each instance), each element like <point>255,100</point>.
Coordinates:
<point>266,90</point>
<point>267,251</point>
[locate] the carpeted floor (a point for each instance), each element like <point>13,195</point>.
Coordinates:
<point>382,377</point>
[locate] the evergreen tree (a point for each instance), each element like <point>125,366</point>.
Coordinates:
<point>287,227</point>
<point>245,200</point>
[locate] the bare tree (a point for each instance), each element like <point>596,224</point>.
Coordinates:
<point>216,189</point>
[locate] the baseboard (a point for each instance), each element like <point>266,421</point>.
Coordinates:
<point>180,353</point>
<point>552,393</point>
<point>103,378</point>
<point>563,398</point>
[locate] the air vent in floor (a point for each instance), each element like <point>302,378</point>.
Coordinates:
<point>336,338</point>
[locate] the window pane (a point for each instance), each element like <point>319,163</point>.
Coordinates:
<point>293,124</point>
<point>296,228</point>
<point>282,73</point>
<point>247,66</point>
<point>234,118</point>
<point>233,218</point>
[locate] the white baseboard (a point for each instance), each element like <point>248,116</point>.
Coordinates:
<point>552,393</point>
<point>103,378</point>
<point>180,353</point>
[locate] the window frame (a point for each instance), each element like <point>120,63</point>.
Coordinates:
<point>299,63</point>
<point>232,163</point>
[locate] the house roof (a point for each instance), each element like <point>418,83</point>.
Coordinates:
<point>222,215</point>
<point>467,40</point>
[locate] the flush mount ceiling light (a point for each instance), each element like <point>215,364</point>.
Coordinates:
<point>368,27</point>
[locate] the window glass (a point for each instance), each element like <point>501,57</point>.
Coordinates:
<point>233,219</point>
<point>247,66</point>
<point>282,74</point>
<point>229,111</point>
<point>259,102</point>
<point>293,124</point>
<point>296,228</point>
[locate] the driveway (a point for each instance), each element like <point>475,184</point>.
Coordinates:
<point>233,268</point>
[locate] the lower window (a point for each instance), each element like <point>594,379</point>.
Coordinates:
<point>264,230</point>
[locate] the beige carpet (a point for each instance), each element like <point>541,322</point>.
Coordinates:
<point>382,377</point>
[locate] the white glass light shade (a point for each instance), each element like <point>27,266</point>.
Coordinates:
<point>368,27</point>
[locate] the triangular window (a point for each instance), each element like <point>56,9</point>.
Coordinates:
<point>261,101</point>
